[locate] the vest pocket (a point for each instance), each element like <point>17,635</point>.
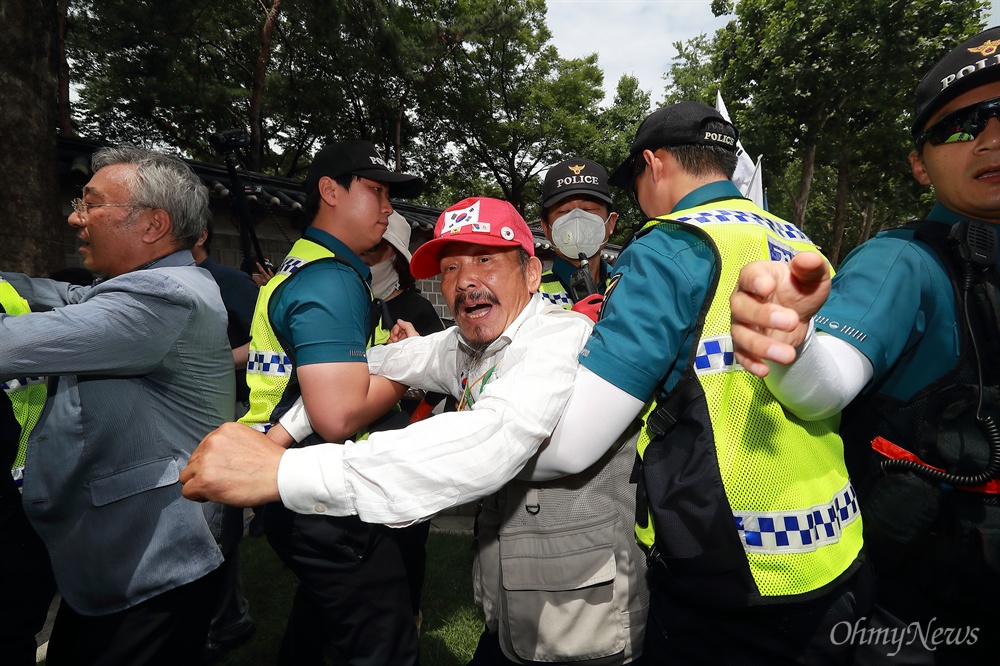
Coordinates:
<point>557,598</point>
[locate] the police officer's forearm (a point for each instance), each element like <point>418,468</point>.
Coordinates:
<point>827,374</point>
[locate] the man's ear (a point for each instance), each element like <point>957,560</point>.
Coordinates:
<point>919,168</point>
<point>609,226</point>
<point>328,190</point>
<point>659,163</point>
<point>533,274</point>
<point>158,226</point>
<point>546,227</point>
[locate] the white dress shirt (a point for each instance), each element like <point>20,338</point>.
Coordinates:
<point>517,389</point>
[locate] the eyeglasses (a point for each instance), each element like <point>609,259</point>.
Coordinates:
<point>962,125</point>
<point>83,208</point>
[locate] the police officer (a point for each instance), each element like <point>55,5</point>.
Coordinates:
<point>28,585</point>
<point>908,339</point>
<point>311,328</point>
<point>754,545</point>
<point>578,218</point>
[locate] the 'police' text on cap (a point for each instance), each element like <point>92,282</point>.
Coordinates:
<point>679,124</point>
<point>970,64</point>
<point>360,158</point>
<point>575,176</point>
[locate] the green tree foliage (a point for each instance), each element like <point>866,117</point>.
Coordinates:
<point>511,105</point>
<point>692,76</point>
<point>469,93</point>
<point>616,127</point>
<point>161,73</point>
<point>824,89</point>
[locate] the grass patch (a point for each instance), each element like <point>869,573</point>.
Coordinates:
<point>452,622</point>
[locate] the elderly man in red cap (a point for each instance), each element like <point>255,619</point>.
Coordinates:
<point>559,578</point>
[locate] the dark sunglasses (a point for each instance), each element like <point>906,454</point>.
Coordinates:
<point>962,125</point>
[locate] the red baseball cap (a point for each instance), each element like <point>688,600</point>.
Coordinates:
<point>477,220</point>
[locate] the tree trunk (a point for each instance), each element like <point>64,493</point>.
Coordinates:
<point>397,130</point>
<point>257,91</point>
<point>868,222</point>
<point>29,210</point>
<point>65,115</point>
<point>801,199</point>
<point>840,209</point>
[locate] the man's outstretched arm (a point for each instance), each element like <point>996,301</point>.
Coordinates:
<point>234,465</point>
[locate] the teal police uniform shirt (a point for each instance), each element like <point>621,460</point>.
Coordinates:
<point>892,300</point>
<point>323,310</point>
<point>564,270</point>
<point>659,285</point>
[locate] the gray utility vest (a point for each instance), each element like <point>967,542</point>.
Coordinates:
<point>558,572</point>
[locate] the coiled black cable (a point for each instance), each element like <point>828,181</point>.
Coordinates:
<point>987,423</point>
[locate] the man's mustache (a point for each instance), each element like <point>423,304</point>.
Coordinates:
<point>476,296</point>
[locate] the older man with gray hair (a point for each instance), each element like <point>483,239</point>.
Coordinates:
<point>139,370</point>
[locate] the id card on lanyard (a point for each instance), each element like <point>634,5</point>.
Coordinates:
<point>468,399</point>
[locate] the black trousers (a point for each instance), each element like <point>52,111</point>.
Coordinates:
<point>167,629</point>
<point>680,631</point>
<point>231,616</point>
<point>351,574</point>
<point>412,542</point>
<point>28,587</point>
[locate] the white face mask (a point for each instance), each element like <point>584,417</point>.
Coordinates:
<point>384,279</point>
<point>578,232</point>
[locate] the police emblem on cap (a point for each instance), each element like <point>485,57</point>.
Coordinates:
<point>377,158</point>
<point>576,169</point>
<point>507,233</point>
<point>988,48</point>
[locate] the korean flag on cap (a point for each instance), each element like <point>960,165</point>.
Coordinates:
<point>461,218</point>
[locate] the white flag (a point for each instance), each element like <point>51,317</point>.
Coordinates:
<point>747,176</point>
<point>755,188</point>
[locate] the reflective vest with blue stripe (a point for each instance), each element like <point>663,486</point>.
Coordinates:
<point>27,394</point>
<point>745,503</point>
<point>554,290</point>
<point>271,364</point>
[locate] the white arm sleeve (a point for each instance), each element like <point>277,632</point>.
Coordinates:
<point>827,374</point>
<point>296,421</point>
<point>596,416</point>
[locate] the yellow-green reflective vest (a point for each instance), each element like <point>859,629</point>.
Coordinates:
<point>746,503</point>
<point>27,394</point>
<point>553,290</point>
<point>270,367</point>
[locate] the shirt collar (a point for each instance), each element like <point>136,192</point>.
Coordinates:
<point>178,258</point>
<point>944,215</point>
<point>720,189</point>
<point>335,245</point>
